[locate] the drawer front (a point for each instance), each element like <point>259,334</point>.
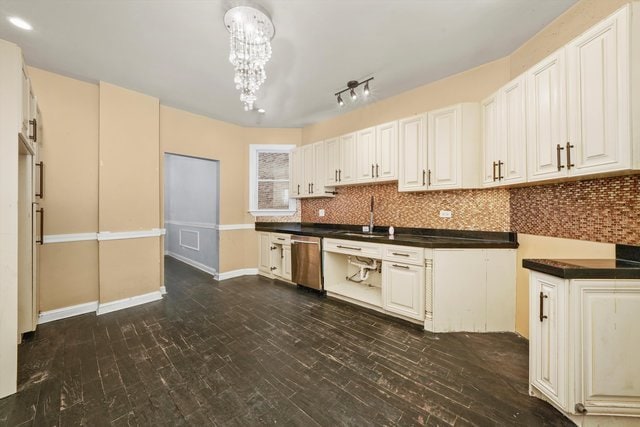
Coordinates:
<point>351,247</point>
<point>403,254</point>
<point>283,239</point>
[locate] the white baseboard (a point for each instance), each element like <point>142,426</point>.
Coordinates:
<point>192,263</point>
<point>108,307</point>
<point>64,312</point>
<point>236,273</point>
<point>163,290</point>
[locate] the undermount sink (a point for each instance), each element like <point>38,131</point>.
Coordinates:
<point>365,235</point>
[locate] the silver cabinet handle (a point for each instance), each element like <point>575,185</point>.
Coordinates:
<point>349,247</point>
<point>401,266</point>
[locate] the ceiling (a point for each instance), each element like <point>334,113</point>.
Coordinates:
<point>177,50</point>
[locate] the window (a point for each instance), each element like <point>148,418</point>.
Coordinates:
<point>269,175</point>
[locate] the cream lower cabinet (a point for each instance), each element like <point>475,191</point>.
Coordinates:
<point>403,289</point>
<point>584,342</point>
<point>473,290</point>
<point>274,260</point>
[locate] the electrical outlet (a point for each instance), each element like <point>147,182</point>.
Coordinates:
<point>365,228</point>
<point>321,212</point>
<point>445,214</point>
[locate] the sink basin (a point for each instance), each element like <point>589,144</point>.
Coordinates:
<point>364,235</point>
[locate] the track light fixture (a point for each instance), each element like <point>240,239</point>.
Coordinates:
<point>352,85</point>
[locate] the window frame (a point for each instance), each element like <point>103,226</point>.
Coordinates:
<point>254,150</point>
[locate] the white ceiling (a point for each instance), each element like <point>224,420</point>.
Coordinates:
<point>177,50</point>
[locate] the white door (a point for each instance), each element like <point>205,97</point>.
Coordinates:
<point>444,142</point>
<point>347,170</point>
<point>387,152</point>
<point>403,289</point>
<point>318,169</point>
<point>332,161</point>
<point>307,169</point>
<point>512,166</point>
<point>490,143</point>
<point>606,367</point>
<point>366,155</point>
<point>296,184</point>
<point>286,262</point>
<point>412,170</point>
<point>546,118</point>
<point>264,254</point>
<point>598,98</point>
<point>548,313</point>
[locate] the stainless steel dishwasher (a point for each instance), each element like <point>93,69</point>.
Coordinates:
<point>306,261</point>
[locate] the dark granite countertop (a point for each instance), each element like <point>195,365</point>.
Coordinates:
<point>626,265</point>
<point>419,237</point>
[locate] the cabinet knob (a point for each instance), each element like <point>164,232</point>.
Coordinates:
<point>580,409</point>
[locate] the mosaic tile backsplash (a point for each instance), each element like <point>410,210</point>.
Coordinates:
<point>602,210</point>
<point>486,210</point>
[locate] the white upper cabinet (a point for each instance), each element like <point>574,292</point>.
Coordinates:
<point>366,155</point>
<point>453,141</point>
<point>387,151</point>
<point>317,189</point>
<point>307,168</point>
<point>598,103</point>
<point>332,161</point>
<point>412,174</point>
<point>444,143</point>
<point>295,173</point>
<point>504,135</point>
<point>377,153</point>
<point>490,143</point>
<point>347,169</point>
<point>546,118</point>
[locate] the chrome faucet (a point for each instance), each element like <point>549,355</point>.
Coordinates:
<point>371,217</point>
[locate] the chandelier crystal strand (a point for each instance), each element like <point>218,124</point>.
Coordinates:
<point>250,49</point>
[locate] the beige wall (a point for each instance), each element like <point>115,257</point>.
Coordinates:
<point>471,85</point>
<point>190,134</point>
<point>70,109</point>
<point>129,194</point>
<point>548,247</point>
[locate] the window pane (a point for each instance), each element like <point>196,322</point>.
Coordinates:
<point>273,195</point>
<point>273,165</point>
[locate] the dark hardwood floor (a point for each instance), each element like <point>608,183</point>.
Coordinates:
<point>251,351</point>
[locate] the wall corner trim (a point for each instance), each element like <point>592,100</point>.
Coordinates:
<point>163,290</point>
<point>64,312</point>
<point>212,271</point>
<point>108,307</point>
<point>236,273</point>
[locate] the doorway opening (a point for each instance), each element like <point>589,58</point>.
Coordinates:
<point>191,211</point>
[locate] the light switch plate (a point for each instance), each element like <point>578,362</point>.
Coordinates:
<point>445,214</point>
<point>321,212</point>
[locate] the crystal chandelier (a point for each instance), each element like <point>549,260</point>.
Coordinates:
<point>251,31</point>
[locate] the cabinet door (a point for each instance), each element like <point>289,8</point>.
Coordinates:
<point>264,254</point>
<point>366,155</point>
<point>444,144</point>
<point>490,144</point>
<point>295,180</point>
<point>548,313</point>
<point>607,341</point>
<point>307,169</point>
<point>412,173</point>
<point>347,170</point>
<point>403,289</point>
<point>598,97</point>
<point>387,152</point>
<point>26,110</point>
<point>512,133</point>
<point>546,118</point>
<point>332,161</point>
<point>286,262</point>
<point>318,169</point>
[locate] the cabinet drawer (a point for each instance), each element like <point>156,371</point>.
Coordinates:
<point>403,254</point>
<point>283,239</point>
<point>351,247</point>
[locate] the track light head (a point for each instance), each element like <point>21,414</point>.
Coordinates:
<point>340,101</point>
<point>353,94</point>
<point>366,89</point>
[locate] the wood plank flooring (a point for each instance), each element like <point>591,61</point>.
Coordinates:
<point>251,351</point>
